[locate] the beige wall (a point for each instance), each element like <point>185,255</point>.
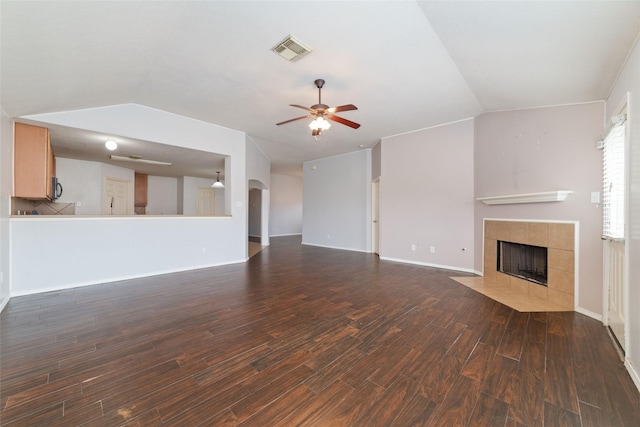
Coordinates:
<point>285,215</point>
<point>426,196</point>
<point>430,179</point>
<point>545,149</point>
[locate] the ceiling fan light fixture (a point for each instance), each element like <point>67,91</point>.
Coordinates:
<point>321,112</point>
<point>218,183</point>
<point>319,124</point>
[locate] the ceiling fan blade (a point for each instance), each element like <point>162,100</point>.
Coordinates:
<point>347,107</point>
<point>300,106</point>
<point>344,121</point>
<point>293,120</point>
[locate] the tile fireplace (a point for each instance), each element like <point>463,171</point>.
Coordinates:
<point>557,239</point>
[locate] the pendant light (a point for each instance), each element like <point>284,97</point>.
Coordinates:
<point>218,183</point>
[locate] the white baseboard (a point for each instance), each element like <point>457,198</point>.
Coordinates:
<point>589,313</point>
<point>426,264</point>
<point>632,372</point>
<point>285,235</point>
<point>335,247</point>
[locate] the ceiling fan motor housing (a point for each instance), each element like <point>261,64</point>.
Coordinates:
<point>320,108</point>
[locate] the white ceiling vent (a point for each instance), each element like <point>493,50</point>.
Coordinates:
<point>291,49</point>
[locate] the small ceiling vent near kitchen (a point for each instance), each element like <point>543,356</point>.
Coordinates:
<point>291,49</point>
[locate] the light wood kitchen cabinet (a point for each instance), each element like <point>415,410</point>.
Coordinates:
<point>141,181</point>
<point>34,163</point>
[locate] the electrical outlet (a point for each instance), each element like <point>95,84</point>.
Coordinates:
<point>433,249</point>
<point>413,247</point>
<point>78,204</point>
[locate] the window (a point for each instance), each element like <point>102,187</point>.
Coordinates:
<point>613,208</point>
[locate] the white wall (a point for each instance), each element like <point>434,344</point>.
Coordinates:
<point>77,251</point>
<point>426,196</point>
<point>337,202</point>
<point>630,82</point>
<point>286,205</point>
<point>84,181</point>
<point>258,164</point>
<point>259,176</point>
<point>94,250</point>
<point>189,191</point>
<point>162,195</point>
<point>6,190</point>
<point>545,149</point>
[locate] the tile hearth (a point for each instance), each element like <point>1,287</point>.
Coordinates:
<point>515,298</point>
<point>520,294</point>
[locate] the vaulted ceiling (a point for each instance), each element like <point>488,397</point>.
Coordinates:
<point>406,65</point>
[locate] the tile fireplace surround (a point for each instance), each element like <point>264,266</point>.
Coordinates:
<point>558,238</point>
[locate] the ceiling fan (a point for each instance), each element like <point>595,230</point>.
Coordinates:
<point>321,112</point>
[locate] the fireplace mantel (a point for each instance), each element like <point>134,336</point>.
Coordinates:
<point>546,196</point>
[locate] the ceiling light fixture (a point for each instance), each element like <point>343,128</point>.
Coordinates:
<point>218,183</point>
<point>138,159</point>
<point>111,145</point>
<point>318,125</point>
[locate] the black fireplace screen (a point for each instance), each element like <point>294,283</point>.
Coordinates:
<point>524,261</point>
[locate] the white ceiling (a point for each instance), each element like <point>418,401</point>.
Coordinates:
<point>407,65</point>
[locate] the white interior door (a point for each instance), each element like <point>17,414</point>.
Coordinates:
<point>117,201</point>
<point>375,216</point>
<point>614,268</point>
<point>206,201</point>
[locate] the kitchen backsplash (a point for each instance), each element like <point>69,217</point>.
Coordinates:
<point>32,207</point>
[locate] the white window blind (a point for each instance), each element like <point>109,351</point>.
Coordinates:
<point>613,183</point>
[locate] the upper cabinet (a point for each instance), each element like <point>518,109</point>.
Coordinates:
<point>34,163</point>
<point>141,181</point>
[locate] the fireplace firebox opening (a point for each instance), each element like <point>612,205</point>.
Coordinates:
<point>524,261</point>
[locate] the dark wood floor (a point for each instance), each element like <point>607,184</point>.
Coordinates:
<point>304,336</point>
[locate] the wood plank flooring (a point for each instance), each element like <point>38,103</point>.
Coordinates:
<point>304,336</point>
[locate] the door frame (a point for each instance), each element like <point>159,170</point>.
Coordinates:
<point>265,198</point>
<point>623,108</point>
